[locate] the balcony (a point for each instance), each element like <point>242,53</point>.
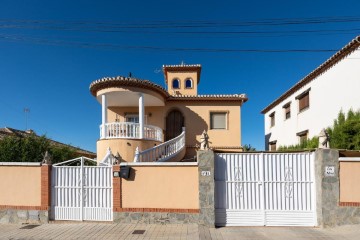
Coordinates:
<point>129,130</point>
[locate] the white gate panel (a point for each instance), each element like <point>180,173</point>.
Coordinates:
<point>82,193</point>
<point>273,189</point>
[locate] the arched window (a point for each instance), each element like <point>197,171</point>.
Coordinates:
<point>188,83</point>
<point>176,84</point>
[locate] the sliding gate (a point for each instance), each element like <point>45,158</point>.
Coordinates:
<point>271,189</point>
<point>81,192</point>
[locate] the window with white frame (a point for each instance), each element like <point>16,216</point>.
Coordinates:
<point>133,118</point>
<point>188,83</point>
<point>176,83</point>
<point>218,120</point>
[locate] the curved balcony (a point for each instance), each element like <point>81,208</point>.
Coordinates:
<point>130,130</point>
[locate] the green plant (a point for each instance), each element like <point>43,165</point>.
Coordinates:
<point>306,144</point>
<point>345,133</point>
<point>31,149</point>
<point>248,148</point>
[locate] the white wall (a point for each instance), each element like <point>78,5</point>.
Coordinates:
<point>337,88</point>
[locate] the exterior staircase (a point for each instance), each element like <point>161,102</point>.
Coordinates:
<point>172,150</point>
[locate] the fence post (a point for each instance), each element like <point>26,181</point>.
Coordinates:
<point>206,171</point>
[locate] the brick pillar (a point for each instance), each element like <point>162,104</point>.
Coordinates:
<point>45,186</point>
<point>116,190</point>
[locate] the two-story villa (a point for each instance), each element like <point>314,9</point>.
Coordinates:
<point>315,101</point>
<point>142,121</point>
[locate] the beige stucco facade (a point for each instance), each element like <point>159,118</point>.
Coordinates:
<point>174,187</point>
<point>349,181</point>
<point>196,120</point>
<point>20,186</point>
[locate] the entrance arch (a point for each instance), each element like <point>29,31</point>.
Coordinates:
<point>174,124</point>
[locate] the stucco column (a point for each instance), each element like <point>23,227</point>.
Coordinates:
<point>141,115</point>
<point>103,115</point>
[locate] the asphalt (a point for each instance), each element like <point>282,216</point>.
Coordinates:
<point>189,231</point>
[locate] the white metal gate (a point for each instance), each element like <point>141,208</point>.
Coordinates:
<point>81,192</point>
<point>271,189</point>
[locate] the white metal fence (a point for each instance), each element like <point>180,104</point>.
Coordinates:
<point>81,192</point>
<point>273,189</point>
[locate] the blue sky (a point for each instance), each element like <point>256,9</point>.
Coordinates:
<point>50,51</point>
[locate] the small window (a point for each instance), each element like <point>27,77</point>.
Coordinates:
<point>134,118</point>
<point>188,83</point>
<point>304,100</point>
<point>272,146</point>
<point>176,84</point>
<point>272,119</point>
<point>218,120</point>
<point>303,136</point>
<point>287,111</point>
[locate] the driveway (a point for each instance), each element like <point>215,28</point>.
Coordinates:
<point>190,231</point>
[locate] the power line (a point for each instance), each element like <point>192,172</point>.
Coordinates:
<point>154,48</point>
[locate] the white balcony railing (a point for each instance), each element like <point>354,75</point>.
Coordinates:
<point>130,130</point>
<point>163,151</point>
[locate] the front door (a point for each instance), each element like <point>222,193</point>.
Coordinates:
<point>174,124</point>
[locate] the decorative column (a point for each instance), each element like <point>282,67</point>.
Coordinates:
<point>141,115</point>
<point>103,116</point>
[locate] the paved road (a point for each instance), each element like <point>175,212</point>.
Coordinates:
<point>191,231</point>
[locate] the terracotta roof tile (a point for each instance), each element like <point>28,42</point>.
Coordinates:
<point>207,97</point>
<point>334,59</point>
<point>119,81</point>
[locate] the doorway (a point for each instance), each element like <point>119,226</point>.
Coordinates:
<point>174,124</point>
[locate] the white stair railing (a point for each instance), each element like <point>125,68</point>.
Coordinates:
<point>162,152</point>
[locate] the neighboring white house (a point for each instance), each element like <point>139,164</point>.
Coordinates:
<point>315,101</point>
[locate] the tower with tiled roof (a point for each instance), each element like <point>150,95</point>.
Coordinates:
<point>182,79</point>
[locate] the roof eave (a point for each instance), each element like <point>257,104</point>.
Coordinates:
<point>334,59</point>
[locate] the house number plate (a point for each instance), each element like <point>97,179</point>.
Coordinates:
<point>205,173</point>
<point>330,171</point>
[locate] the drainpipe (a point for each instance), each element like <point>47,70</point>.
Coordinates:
<point>103,116</point>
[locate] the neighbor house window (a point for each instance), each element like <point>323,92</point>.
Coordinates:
<point>303,136</point>
<point>272,119</point>
<point>176,84</point>
<point>218,120</point>
<point>272,146</point>
<point>188,83</point>
<point>304,100</point>
<point>287,111</point>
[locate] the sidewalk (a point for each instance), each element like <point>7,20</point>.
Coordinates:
<point>190,231</point>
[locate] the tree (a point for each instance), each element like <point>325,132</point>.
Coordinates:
<point>248,148</point>
<point>345,133</point>
<point>31,149</point>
